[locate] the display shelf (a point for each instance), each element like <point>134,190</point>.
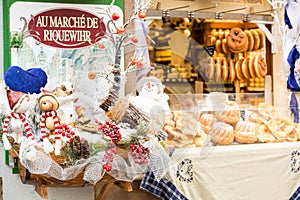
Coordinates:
<point>41,181</point>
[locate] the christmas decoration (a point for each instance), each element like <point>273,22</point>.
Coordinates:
<point>16,119</point>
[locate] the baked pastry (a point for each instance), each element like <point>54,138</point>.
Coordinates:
<point>210,68</point>
<point>225,70</point>
<point>231,113</point>
<point>252,67</point>
<point>219,46</point>
<point>261,38</point>
<point>225,48</point>
<point>201,139</point>
<point>266,111</point>
<point>206,121</point>
<point>232,72</point>
<point>218,68</point>
<point>250,40</point>
<point>237,40</point>
<point>245,68</point>
<point>238,69</point>
<point>260,66</point>
<point>264,134</point>
<point>245,132</point>
<point>256,39</point>
<point>280,128</point>
<point>293,136</point>
<point>256,118</point>
<point>221,133</point>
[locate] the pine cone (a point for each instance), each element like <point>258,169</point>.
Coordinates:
<point>85,149</point>
<point>76,147</point>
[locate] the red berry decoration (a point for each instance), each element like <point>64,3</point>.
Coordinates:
<point>134,39</point>
<point>101,46</point>
<point>140,154</point>
<point>115,16</point>
<point>141,14</point>
<point>133,60</point>
<point>139,64</point>
<point>120,29</point>
<point>92,75</point>
<point>111,130</point>
<point>108,158</point>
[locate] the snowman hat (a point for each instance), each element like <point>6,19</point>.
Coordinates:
<point>152,79</point>
<point>14,98</point>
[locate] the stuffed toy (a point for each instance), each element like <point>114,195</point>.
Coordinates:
<point>16,120</point>
<point>49,105</point>
<point>64,93</point>
<point>151,96</point>
<point>27,81</point>
<point>153,102</point>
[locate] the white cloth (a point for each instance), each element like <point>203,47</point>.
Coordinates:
<point>243,172</point>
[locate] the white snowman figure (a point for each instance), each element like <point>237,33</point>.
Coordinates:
<point>152,101</point>
<point>15,123</point>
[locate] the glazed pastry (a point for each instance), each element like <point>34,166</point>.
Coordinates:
<point>230,114</point>
<point>293,136</point>
<point>264,134</point>
<point>266,111</point>
<point>206,121</point>
<point>280,128</point>
<point>245,132</point>
<point>221,133</point>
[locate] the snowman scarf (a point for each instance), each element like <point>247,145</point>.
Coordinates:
<point>20,116</point>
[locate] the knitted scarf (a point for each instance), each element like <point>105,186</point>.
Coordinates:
<point>20,116</point>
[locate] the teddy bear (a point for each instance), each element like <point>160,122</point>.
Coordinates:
<point>16,123</point>
<point>49,104</point>
<point>65,94</point>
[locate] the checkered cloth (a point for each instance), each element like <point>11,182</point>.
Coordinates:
<point>162,189</point>
<point>296,195</point>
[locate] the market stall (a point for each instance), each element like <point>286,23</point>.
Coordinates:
<point>91,102</point>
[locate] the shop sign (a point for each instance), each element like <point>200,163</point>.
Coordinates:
<point>66,28</point>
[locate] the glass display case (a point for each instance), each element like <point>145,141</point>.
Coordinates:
<point>219,118</point>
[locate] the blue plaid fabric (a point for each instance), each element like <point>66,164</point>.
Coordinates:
<point>162,189</point>
<point>296,195</point>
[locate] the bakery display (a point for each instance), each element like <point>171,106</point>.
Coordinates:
<point>239,55</point>
<point>220,120</point>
